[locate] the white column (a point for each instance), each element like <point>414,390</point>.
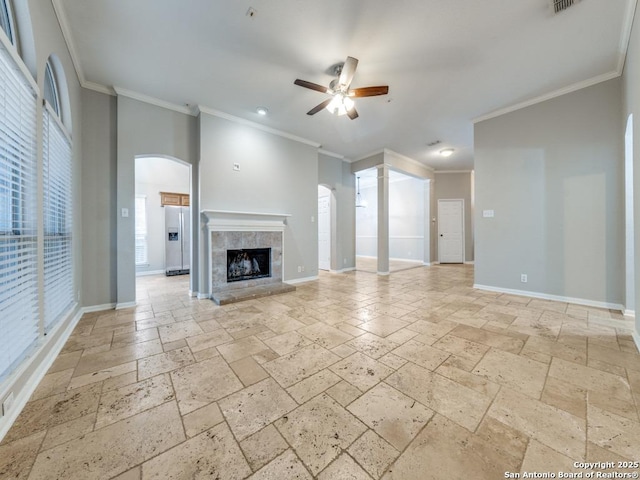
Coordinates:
<point>383,219</point>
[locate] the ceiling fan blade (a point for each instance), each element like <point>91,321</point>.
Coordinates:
<point>348,71</point>
<point>317,108</point>
<point>353,114</point>
<point>369,91</point>
<point>311,85</point>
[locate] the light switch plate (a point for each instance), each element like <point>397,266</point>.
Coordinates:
<point>125,212</point>
<point>488,213</point>
<point>236,167</point>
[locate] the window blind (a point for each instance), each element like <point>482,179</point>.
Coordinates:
<point>58,220</point>
<point>141,230</point>
<point>19,330</point>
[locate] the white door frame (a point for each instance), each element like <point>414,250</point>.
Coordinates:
<point>461,200</point>
<point>328,194</point>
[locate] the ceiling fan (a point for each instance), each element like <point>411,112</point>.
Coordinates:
<point>341,102</point>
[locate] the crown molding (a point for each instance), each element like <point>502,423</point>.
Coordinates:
<point>97,87</point>
<point>625,35</point>
<point>371,154</point>
<point>154,101</point>
<point>453,171</point>
<point>61,15</point>
<point>388,151</point>
<point>548,96</point>
<point>258,126</point>
<point>331,154</point>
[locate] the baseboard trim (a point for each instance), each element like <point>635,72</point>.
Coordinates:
<point>383,273</point>
<point>426,264</point>
<point>344,270</point>
<point>557,298</point>
<point>203,296</point>
<point>630,313</point>
<point>296,281</point>
<point>150,272</point>
<point>45,355</point>
<point>98,308</point>
<point>120,306</point>
<point>470,263</point>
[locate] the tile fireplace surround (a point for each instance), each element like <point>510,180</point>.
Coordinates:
<point>238,231</point>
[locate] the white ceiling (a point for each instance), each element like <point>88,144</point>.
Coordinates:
<point>446,61</point>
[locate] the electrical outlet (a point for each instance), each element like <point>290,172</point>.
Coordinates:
<point>303,268</point>
<point>299,269</point>
<point>523,278</point>
<point>344,261</point>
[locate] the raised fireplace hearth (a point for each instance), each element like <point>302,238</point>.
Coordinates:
<point>246,252</point>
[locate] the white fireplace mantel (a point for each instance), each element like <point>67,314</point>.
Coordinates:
<point>229,221</point>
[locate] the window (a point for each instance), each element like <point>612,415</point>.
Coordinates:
<point>141,231</point>
<point>18,215</point>
<point>58,209</point>
<point>51,89</point>
<point>6,20</point>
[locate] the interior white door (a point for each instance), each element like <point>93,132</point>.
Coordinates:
<point>324,232</point>
<point>451,231</point>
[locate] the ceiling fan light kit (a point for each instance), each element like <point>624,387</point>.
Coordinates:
<point>341,102</point>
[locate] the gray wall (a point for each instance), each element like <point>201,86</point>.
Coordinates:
<point>145,129</point>
<point>277,175</point>
<point>456,185</point>
<point>336,175</point>
<point>99,235</point>
<point>553,174</point>
<point>155,175</point>
<point>631,105</point>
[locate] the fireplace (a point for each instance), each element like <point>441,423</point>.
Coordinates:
<point>248,264</point>
<point>245,255</point>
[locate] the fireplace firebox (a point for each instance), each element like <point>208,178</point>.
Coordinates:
<point>248,264</point>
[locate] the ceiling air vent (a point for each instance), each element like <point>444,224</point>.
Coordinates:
<point>560,5</point>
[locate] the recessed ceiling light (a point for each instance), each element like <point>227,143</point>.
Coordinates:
<point>262,110</point>
<point>446,152</point>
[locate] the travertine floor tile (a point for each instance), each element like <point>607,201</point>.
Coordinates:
<point>127,401</point>
<point>16,458</point>
<point>420,354</point>
<point>286,466</point>
<point>300,364</point>
<point>287,343</point>
<point>516,384</point>
<point>449,398</point>
<point>212,454</point>
<point>242,348</point>
<point>112,450</point>
<point>325,335</point>
<point>361,371</point>
<point>199,384</point>
<point>513,371</point>
<point>394,416</point>
<point>344,467</point>
<point>540,458</point>
<point>312,386</point>
<point>202,419</point>
<point>555,428</point>
<point>263,446</point>
<point>373,453</point>
<point>255,407</point>
<point>443,449</point>
<point>372,345</point>
<point>164,362</point>
<point>613,432</point>
<point>319,430</point>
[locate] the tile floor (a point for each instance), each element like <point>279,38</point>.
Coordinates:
<point>411,376</point>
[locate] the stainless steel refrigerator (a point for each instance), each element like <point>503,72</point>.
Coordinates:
<point>177,222</point>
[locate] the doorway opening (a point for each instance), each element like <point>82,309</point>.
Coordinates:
<point>324,228</point>
<point>162,221</point>
<point>629,306</point>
